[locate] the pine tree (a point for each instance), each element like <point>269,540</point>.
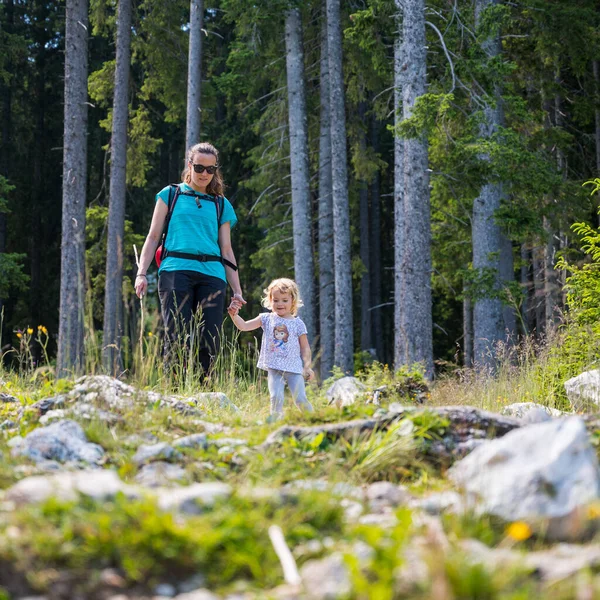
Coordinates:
<point>72,280</point>
<point>113,298</point>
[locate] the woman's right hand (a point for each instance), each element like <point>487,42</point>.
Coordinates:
<point>141,285</point>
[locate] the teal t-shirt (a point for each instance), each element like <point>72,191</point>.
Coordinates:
<point>193,229</point>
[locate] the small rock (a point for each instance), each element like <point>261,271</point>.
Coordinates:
<point>521,410</point>
<point>193,498</point>
<point>165,589</point>
<point>345,391</point>
<point>440,502</point>
<point>112,578</point>
<point>327,578</point>
<point>7,398</point>
<point>221,442</point>
<point>192,583</point>
<point>8,424</point>
<point>159,473</point>
<point>62,441</point>
<point>200,594</point>
<point>383,494</point>
<point>46,404</point>
<point>196,440</point>
<point>53,415</point>
<point>161,451</point>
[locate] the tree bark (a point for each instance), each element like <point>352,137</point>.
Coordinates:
<point>344,342</point>
<point>365,253</point>
<point>399,335</point>
<point>539,304</point>
<point>507,276</point>
<point>416,333</point>
<point>488,312</point>
<point>326,264</point>
<point>467,331</point>
<point>192,130</point>
<point>552,287</point>
<point>596,70</point>
<point>526,288</point>
<point>113,296</point>
<point>298,129</point>
<point>72,281</point>
<point>6,88</point>
<point>375,249</point>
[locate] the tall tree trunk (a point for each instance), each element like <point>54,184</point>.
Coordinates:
<point>113,296</point>
<point>6,88</point>
<point>344,335</point>
<point>399,334</point>
<point>467,331</point>
<point>375,249</point>
<point>365,281</point>
<point>552,284</point>
<point>192,130</point>
<point>326,264</point>
<point>417,328</point>
<point>507,276</point>
<point>72,280</point>
<point>539,304</point>
<point>596,69</point>
<point>298,128</point>
<point>488,312</point>
<point>526,289</point>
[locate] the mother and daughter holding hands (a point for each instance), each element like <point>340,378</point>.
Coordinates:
<point>196,261</point>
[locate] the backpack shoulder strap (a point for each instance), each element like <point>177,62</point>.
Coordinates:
<point>220,203</point>
<point>174,191</point>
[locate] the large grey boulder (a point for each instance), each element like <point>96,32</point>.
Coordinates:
<point>345,391</point>
<point>583,391</point>
<point>542,471</point>
<point>62,441</point>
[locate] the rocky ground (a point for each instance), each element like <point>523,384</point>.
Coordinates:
<point>110,492</point>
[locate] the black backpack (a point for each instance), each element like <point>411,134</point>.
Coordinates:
<point>162,252</point>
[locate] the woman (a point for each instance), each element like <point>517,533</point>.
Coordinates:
<point>194,270</point>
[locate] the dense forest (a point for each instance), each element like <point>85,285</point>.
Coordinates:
<point>416,165</point>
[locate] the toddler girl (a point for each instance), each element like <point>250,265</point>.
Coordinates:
<point>284,352</point>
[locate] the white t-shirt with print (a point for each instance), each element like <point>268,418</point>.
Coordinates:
<point>280,346</point>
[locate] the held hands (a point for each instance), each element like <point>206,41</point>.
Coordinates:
<point>308,373</point>
<point>236,303</point>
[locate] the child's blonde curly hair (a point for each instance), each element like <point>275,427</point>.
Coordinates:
<point>284,286</point>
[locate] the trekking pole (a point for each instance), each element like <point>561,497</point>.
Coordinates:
<point>137,262</point>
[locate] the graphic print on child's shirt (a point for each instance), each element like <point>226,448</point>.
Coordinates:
<point>280,347</point>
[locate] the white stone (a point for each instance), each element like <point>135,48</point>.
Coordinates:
<point>522,410</point>
<point>345,391</point>
<point>96,484</point>
<point>584,390</point>
<point>193,498</point>
<point>535,472</point>
<point>327,578</point>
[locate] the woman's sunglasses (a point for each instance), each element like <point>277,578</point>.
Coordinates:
<point>201,168</point>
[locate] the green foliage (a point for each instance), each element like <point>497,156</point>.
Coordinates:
<point>227,542</point>
<point>378,579</point>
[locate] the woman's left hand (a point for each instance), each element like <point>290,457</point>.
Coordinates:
<point>237,302</point>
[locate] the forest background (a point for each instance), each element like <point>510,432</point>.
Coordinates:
<point>508,115</point>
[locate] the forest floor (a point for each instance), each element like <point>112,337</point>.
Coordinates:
<point>117,491</point>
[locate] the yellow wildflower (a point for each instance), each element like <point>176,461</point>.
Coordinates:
<point>150,334</point>
<point>19,334</point>
<point>519,531</point>
<point>593,511</point>
<point>30,330</point>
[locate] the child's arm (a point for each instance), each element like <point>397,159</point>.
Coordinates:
<point>244,325</point>
<point>306,354</point>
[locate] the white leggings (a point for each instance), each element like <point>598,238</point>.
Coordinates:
<point>277,380</point>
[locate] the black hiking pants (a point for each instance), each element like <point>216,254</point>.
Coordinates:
<point>192,306</point>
